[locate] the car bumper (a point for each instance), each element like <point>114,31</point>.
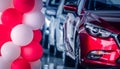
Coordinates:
<point>110,56</point>
<point>103,62</point>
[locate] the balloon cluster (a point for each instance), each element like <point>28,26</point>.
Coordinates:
<point>20,23</point>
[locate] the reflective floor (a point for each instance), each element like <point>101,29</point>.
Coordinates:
<point>49,61</point>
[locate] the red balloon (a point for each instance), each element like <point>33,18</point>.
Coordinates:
<point>24,5</point>
<point>4,34</point>
<point>11,17</point>
<point>32,52</point>
<point>37,35</point>
<point>20,64</point>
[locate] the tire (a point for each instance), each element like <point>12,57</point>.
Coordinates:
<point>77,52</point>
<point>51,50</point>
<point>58,54</point>
<point>44,38</point>
<point>68,62</point>
<point>45,42</point>
<point>52,47</point>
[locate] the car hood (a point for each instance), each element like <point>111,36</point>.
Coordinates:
<point>108,19</point>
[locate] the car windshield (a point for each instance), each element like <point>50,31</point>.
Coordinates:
<point>54,3</point>
<point>102,5</point>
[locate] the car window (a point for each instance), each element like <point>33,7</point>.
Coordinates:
<point>54,3</point>
<point>102,5</point>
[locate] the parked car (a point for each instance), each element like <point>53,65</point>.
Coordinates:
<point>61,15</point>
<point>56,31</point>
<point>92,34</point>
<point>50,12</point>
<point>56,28</point>
<point>52,27</point>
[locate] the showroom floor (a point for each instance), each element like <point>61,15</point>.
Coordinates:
<point>50,62</point>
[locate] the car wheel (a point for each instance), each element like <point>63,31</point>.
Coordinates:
<point>51,50</point>
<point>68,62</point>
<point>45,41</point>
<point>77,53</point>
<point>58,54</point>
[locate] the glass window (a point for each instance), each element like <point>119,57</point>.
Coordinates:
<point>102,5</point>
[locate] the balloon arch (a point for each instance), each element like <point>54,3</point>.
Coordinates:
<point>20,23</point>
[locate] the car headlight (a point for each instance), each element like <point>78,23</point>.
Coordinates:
<point>97,31</point>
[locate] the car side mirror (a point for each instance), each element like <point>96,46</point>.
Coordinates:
<point>70,8</point>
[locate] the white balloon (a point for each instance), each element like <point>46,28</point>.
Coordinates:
<point>21,35</point>
<point>38,5</point>
<point>36,65</point>
<point>34,20</point>
<point>4,64</point>
<point>10,51</point>
<point>0,17</point>
<point>4,4</point>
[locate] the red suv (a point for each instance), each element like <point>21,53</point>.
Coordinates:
<point>92,33</point>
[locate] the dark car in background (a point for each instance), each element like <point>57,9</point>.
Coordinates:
<point>92,34</point>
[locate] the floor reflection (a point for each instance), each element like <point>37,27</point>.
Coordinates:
<point>49,61</point>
